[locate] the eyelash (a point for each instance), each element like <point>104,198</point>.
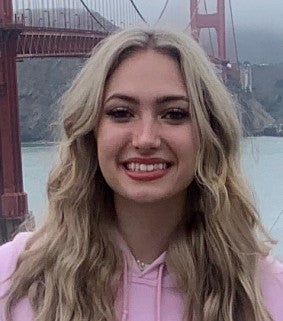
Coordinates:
<point>176,114</point>
<point>120,114</point>
<point>123,114</point>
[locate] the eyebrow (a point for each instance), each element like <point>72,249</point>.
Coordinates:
<point>159,100</point>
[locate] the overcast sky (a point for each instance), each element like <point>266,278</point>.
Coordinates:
<point>254,14</point>
<point>258,25</point>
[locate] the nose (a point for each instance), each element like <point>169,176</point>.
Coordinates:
<point>146,135</point>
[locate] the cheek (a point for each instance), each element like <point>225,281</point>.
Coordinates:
<point>193,139</point>
<point>106,150</point>
<point>110,141</point>
<point>186,140</point>
<point>103,142</point>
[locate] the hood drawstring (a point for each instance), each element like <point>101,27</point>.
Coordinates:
<point>158,296</point>
<point>125,291</point>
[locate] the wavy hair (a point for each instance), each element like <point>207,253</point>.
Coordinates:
<point>70,270</point>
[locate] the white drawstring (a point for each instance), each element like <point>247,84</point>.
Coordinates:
<point>125,291</point>
<point>158,296</point>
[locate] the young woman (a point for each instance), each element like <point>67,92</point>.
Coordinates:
<point>149,215</point>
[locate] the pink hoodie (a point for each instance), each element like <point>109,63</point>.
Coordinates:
<point>148,295</point>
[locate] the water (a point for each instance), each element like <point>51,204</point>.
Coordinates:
<point>262,161</point>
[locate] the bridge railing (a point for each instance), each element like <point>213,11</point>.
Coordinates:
<point>100,15</point>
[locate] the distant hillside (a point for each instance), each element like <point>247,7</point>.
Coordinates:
<point>260,46</point>
<point>268,88</point>
<point>42,81</point>
<point>256,46</point>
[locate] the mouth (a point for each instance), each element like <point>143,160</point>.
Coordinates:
<point>146,169</point>
<point>142,167</point>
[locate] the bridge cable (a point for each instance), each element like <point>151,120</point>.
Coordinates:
<point>193,16</point>
<point>137,10</point>
<point>276,220</point>
<point>209,31</point>
<point>162,12</point>
<point>234,35</point>
<point>92,15</point>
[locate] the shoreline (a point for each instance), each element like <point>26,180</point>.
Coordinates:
<point>41,143</point>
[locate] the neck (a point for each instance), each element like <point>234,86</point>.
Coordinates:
<point>147,227</point>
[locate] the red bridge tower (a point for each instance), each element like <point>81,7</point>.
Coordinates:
<point>13,199</point>
<point>214,20</point>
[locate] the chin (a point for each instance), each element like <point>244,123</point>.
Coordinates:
<point>147,198</point>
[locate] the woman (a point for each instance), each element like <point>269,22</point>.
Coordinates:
<point>149,216</point>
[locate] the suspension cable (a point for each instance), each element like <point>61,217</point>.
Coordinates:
<point>137,10</point>
<point>209,31</point>
<point>276,220</point>
<point>162,12</point>
<point>92,15</point>
<point>234,35</point>
<point>193,16</point>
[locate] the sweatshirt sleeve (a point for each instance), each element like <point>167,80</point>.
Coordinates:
<point>9,253</point>
<point>271,277</point>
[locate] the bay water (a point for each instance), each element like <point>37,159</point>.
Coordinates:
<point>262,159</point>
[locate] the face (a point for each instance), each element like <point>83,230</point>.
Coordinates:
<point>146,140</point>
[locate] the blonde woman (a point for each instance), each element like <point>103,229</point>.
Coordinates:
<point>149,215</point>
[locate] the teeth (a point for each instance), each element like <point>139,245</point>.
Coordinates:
<point>145,167</point>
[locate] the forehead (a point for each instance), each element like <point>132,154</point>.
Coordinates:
<point>147,71</point>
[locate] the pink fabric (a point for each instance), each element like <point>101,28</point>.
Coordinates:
<point>9,253</point>
<point>149,295</point>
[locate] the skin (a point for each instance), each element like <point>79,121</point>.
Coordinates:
<point>146,116</point>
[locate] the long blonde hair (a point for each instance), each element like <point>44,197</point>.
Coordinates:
<point>70,270</point>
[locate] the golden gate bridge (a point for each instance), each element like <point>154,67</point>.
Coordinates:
<point>61,28</point>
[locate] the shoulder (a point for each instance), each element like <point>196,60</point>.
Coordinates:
<point>271,278</point>
<point>9,253</point>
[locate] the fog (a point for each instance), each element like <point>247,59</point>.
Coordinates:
<point>258,24</point>
<point>254,14</point>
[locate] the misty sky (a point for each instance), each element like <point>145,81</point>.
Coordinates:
<point>255,14</point>
<point>258,24</point>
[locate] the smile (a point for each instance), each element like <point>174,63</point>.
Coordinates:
<point>146,169</point>
<point>138,167</point>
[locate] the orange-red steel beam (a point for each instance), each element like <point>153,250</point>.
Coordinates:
<point>13,199</point>
<point>6,11</point>
<point>214,20</point>
<point>40,42</point>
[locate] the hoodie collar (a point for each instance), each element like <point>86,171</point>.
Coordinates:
<point>131,261</point>
<point>131,268</point>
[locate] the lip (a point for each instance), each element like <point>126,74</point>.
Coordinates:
<point>153,160</point>
<point>146,176</point>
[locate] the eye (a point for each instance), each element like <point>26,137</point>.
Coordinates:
<point>176,114</point>
<point>120,114</point>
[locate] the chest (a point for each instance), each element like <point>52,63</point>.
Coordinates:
<point>145,300</point>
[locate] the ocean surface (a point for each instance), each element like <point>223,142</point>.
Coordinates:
<point>262,159</point>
